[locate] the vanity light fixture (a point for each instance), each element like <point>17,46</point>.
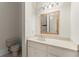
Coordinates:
<point>49,5</point>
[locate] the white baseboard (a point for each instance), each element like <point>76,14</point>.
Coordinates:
<point>3,51</point>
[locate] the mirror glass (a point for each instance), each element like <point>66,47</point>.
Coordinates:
<point>50,23</point>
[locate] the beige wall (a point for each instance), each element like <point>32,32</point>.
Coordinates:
<point>75,22</point>
<point>9,23</point>
<point>24,44</point>
<point>65,19</point>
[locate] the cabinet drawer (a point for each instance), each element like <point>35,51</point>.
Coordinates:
<point>37,45</point>
<point>33,52</point>
<point>56,51</point>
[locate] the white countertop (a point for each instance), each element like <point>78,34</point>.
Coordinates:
<point>56,42</point>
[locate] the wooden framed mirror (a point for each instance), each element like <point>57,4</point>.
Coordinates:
<point>50,23</point>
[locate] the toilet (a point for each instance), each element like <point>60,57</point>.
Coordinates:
<point>13,46</point>
<point>15,49</point>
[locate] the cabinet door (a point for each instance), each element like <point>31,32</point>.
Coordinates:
<point>60,52</point>
<point>55,51</point>
<point>33,52</point>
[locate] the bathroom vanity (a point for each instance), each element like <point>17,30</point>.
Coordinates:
<point>51,48</point>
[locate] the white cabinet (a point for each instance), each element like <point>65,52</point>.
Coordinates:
<point>54,51</point>
<point>36,49</point>
<point>33,52</point>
